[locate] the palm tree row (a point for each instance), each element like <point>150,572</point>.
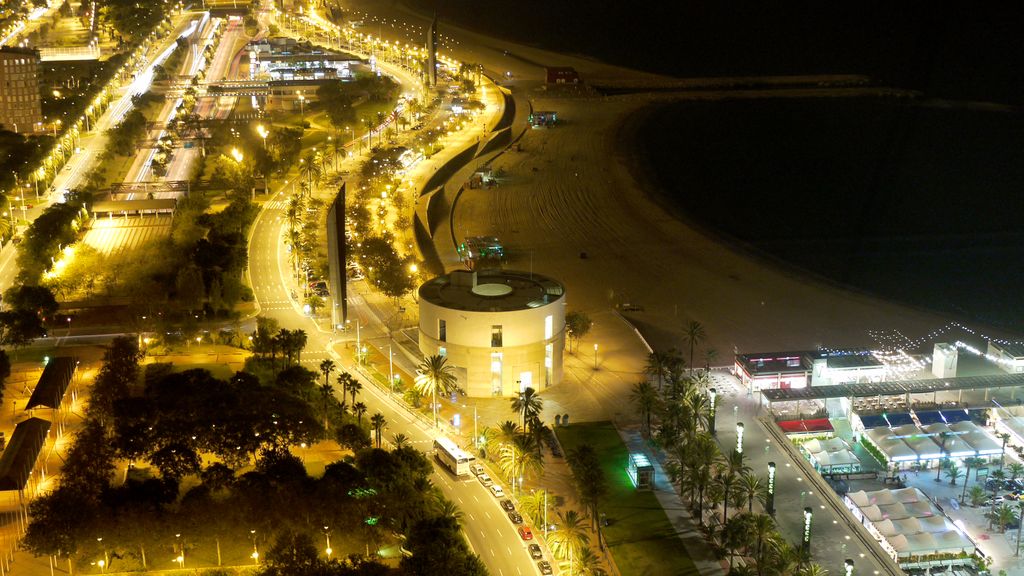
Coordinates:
<point>676,415</point>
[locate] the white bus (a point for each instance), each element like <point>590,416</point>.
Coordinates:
<point>455,459</point>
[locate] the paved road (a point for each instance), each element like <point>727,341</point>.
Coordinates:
<point>488,529</point>
<point>93,143</point>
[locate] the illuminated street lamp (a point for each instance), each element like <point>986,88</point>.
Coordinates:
<point>237,155</point>
<point>712,397</point>
<point>263,132</point>
<point>595,356</point>
<point>302,107</point>
<point>255,553</point>
<point>327,535</point>
<point>739,437</point>
<point>769,504</point>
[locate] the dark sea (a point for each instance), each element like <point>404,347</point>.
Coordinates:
<point>919,200</point>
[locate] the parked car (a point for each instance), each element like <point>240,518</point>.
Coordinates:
<point>525,533</point>
<point>497,491</point>
<point>535,552</point>
<point>477,469</point>
<point>507,506</point>
<point>545,567</point>
<point>485,480</point>
<point>515,517</point>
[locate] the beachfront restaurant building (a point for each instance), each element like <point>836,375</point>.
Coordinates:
<point>770,370</point>
<point>1009,357</point>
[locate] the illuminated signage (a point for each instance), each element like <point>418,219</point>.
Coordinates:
<point>807,527</point>
<point>739,437</point>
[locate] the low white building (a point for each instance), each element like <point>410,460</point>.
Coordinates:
<point>1009,357</point>
<point>502,330</point>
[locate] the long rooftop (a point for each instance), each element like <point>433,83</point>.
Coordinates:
<point>894,388</point>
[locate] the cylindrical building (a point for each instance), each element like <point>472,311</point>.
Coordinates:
<point>503,331</point>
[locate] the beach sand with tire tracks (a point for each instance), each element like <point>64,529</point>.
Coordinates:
<point>579,187</point>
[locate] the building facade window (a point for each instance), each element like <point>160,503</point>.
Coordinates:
<point>495,336</point>
<point>442,330</point>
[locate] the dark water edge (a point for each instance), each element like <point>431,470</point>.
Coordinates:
<point>913,204</point>
<point>962,50</point>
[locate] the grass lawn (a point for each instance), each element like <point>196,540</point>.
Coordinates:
<point>641,538</point>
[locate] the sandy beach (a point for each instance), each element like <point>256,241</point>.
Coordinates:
<point>579,187</point>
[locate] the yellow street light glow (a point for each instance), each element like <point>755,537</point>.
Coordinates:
<point>236,154</point>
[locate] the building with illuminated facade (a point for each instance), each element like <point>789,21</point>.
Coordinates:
<point>503,331</point>
<point>20,106</point>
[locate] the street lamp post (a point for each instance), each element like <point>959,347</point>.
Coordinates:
<point>712,397</point>
<point>302,108</point>
<point>739,437</point>
<point>327,535</point>
<point>595,356</point>
<point>255,553</point>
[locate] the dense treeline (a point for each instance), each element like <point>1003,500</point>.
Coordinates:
<point>252,495</point>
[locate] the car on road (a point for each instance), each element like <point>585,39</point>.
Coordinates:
<point>497,491</point>
<point>515,517</point>
<point>535,552</point>
<point>525,533</point>
<point>507,506</point>
<point>485,480</point>
<point>545,567</point>
<point>477,469</point>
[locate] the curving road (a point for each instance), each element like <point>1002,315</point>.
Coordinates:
<point>488,530</point>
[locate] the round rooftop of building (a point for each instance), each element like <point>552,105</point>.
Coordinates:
<point>491,290</point>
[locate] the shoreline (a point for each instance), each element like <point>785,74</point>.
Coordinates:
<point>643,170</point>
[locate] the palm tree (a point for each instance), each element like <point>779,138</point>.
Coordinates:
<point>435,375</point>
<point>999,476</point>
<point>309,169</point>
<point>353,388</point>
<point>326,367</point>
<point>812,569</point>
<point>495,438</point>
<point>326,391</point>
<point>953,472</point>
<point>698,405</point>
<point>359,409</point>
<point>532,505</point>
<point>344,380</point>
<point>693,335</point>
<point>710,355</point>
<point>528,405</point>
<point>727,482</point>
<point>735,534</point>
<point>1003,515</point>
<point>378,422</point>
<point>1015,469</point>
<point>645,397</point>
<point>761,526</point>
<point>976,495</point>
<point>752,489</point>
<point>520,457</point>
<point>401,441</point>
<point>658,366</point>
<point>938,471</point>
<point>448,509</point>
<point>570,537</point>
<point>588,563</point>
<point>969,463</point>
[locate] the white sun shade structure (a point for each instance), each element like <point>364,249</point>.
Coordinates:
<point>831,455</point>
<point>906,523</point>
<point>894,448</point>
<point>921,442</point>
<point>978,439</point>
<point>1014,426</point>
